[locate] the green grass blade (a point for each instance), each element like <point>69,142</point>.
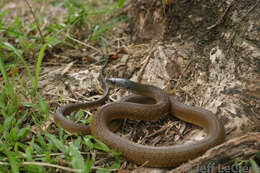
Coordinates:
<point>43,107</point>
<point>89,164</point>
<point>7,125</point>
<point>19,34</point>
<point>38,65</point>
<point>102,28</point>
<point>2,14</point>
<point>77,160</point>
<point>57,142</point>
<point>254,166</point>
<point>6,78</point>
<point>12,161</point>
<point>19,55</point>
<point>120,3</point>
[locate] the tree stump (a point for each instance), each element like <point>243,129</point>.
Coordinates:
<point>208,54</point>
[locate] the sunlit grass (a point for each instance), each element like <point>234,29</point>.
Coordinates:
<point>24,147</point>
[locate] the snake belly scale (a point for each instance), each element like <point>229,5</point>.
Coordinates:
<point>134,107</point>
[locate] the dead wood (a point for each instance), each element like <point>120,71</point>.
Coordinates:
<point>223,157</point>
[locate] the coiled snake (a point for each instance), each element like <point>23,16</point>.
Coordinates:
<point>134,107</point>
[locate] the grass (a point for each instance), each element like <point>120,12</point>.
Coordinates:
<point>23,146</point>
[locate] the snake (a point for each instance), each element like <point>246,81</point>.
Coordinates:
<point>76,128</point>
<point>146,103</point>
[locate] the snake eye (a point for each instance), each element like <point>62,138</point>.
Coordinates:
<point>114,81</point>
<point>110,81</point>
<point>121,82</point>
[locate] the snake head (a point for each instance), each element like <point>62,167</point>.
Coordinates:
<point>121,82</point>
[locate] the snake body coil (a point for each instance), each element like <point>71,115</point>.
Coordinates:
<point>134,107</point>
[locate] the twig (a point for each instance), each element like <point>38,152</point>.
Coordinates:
<point>251,9</point>
<point>158,131</point>
<point>57,166</point>
<point>82,43</point>
<point>36,21</point>
<point>44,164</point>
<point>221,17</point>
<point>51,165</point>
<point>164,128</point>
<point>179,79</point>
<point>145,62</point>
